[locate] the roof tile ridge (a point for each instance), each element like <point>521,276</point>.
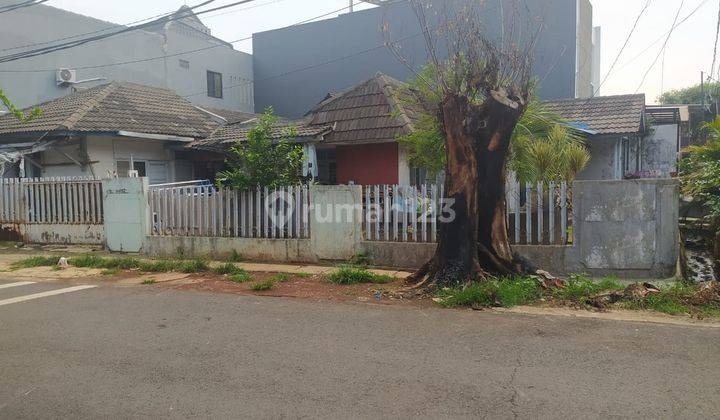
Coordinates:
<point>89,105</point>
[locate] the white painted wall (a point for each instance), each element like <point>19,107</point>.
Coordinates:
<point>105,151</point>
<point>33,80</point>
<point>660,150</point>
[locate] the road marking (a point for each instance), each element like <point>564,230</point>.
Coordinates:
<point>44,294</point>
<point>20,283</point>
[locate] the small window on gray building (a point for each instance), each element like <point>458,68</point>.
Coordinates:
<point>214,84</point>
<point>184,64</point>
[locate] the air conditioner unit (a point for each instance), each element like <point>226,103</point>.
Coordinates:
<point>66,76</point>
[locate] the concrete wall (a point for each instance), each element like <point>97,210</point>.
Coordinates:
<point>660,150</point>
<point>628,227</point>
<point>43,23</point>
<point>65,234</point>
<point>602,159</point>
<point>623,228</point>
<point>358,39</point>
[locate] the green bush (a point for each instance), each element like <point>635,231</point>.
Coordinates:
<point>473,294</point>
<point>241,277</point>
<point>579,287</point>
<point>227,269</point>
<point>282,277</point>
<point>198,265</point>
<point>671,300</point>
<point>506,292</point>
<point>34,262</point>
<point>349,274</point>
<point>159,266</point>
<point>263,285</point>
<point>87,261</point>
<point>517,291</point>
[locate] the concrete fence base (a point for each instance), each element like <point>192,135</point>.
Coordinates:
<point>623,228</point>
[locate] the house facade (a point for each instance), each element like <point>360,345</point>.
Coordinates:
<point>180,55</point>
<point>107,131</point>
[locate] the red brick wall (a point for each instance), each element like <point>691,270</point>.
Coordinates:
<point>367,164</point>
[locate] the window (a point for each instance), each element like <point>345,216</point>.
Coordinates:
<point>123,166</point>
<point>184,64</point>
<point>214,84</point>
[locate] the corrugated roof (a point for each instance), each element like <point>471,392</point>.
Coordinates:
<point>620,114</point>
<point>367,113</point>
<point>117,106</point>
<point>227,135</point>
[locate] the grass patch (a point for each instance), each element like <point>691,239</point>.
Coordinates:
<point>149,281</point>
<point>159,266</point>
<point>303,275</point>
<point>281,277</point>
<point>263,285</point>
<point>241,277</point>
<point>235,256</point>
<point>198,265</point>
<point>671,300</point>
<point>349,274</point>
<point>228,269</point>
<point>505,292</point>
<point>579,287</point>
<point>33,262</point>
<point>111,272</point>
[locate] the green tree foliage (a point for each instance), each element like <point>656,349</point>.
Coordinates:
<point>17,113</point>
<point>263,160</point>
<point>543,148</point>
<point>700,172</point>
<point>689,95</point>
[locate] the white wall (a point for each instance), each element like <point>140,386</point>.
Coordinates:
<point>602,159</point>
<point>43,23</point>
<point>103,153</point>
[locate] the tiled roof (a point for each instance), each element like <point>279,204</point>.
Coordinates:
<point>621,114</point>
<point>367,113</point>
<point>227,135</point>
<point>231,116</point>
<point>117,106</point>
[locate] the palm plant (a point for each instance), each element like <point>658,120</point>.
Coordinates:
<point>544,149</point>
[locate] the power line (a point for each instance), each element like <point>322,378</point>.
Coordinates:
<point>22,5</point>
<point>627,40</point>
<point>142,60</point>
<point>313,66</point>
<point>661,37</point>
<point>60,47</point>
<point>662,50</point>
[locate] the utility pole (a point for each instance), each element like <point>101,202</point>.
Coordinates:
<point>702,89</point>
<point>351,5</point>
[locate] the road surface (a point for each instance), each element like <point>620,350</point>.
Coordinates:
<point>154,352</point>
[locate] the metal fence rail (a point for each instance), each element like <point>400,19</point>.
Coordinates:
<point>210,212</point>
<point>536,214</point>
<point>71,200</point>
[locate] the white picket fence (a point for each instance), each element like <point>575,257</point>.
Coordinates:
<point>71,200</point>
<point>537,214</point>
<point>210,212</point>
<point>397,213</point>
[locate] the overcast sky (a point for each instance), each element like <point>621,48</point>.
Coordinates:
<point>689,50</point>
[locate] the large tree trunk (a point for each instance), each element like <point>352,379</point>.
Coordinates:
<point>473,243</point>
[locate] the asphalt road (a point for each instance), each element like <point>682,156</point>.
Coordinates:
<point>151,352</point>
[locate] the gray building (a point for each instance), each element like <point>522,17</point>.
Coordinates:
<point>296,67</point>
<point>154,57</point>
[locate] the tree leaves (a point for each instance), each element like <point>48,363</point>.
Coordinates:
<point>262,160</point>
